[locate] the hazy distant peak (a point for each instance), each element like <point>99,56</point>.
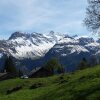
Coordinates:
<point>16,34</point>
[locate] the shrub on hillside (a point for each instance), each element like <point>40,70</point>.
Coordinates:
<point>36,85</point>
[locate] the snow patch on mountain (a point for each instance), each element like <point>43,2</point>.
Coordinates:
<point>69,45</point>
<point>78,49</point>
<point>67,40</point>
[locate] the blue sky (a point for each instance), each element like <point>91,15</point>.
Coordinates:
<point>65,16</point>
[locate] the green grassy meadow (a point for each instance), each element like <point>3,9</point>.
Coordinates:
<point>81,85</point>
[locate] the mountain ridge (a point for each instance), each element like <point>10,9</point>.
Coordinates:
<point>38,46</point>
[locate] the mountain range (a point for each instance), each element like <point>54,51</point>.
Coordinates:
<point>30,50</point>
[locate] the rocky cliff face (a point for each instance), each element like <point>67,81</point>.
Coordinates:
<point>70,51</point>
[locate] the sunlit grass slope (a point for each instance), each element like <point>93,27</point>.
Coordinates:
<point>81,85</point>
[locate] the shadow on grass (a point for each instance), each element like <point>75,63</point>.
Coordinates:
<point>14,89</point>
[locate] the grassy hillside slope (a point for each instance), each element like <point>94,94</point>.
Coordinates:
<point>81,85</point>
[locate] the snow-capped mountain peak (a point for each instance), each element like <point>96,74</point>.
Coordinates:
<point>30,45</point>
<point>34,46</point>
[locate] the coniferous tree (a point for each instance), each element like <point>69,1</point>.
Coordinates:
<point>83,64</point>
<point>20,73</point>
<point>60,69</point>
<point>9,65</point>
<point>53,65</point>
<point>93,61</point>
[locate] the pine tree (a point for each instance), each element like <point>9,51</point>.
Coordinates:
<point>93,61</point>
<point>53,65</point>
<point>20,73</point>
<point>60,69</point>
<point>9,65</point>
<point>83,64</point>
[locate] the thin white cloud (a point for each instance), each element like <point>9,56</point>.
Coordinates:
<point>41,15</point>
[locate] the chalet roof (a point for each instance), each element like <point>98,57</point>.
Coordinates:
<point>2,74</point>
<point>34,70</point>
